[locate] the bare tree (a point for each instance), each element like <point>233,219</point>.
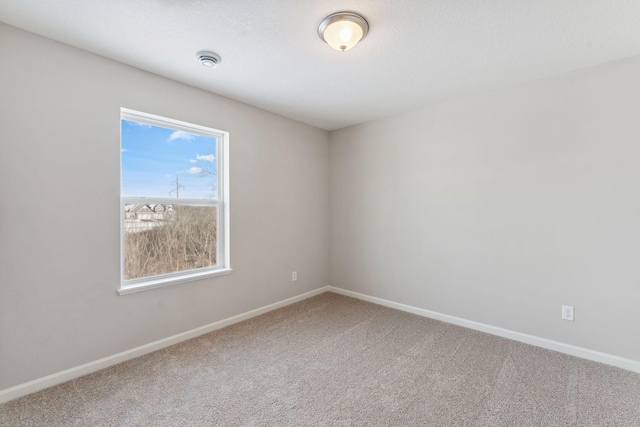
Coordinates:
<point>208,165</point>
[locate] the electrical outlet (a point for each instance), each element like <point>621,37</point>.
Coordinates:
<point>567,312</point>
<point>294,276</point>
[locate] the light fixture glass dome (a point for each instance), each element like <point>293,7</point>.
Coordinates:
<point>343,30</point>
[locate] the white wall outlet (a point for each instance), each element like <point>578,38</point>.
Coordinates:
<point>294,276</point>
<point>567,312</point>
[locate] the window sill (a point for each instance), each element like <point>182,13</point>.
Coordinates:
<point>169,281</point>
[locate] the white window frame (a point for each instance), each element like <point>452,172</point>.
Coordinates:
<point>221,202</point>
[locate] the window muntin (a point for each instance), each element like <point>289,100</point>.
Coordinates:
<point>174,201</point>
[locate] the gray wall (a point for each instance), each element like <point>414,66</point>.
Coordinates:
<point>59,223</point>
<point>502,207</point>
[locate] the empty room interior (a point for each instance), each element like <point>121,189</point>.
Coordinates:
<point>393,213</point>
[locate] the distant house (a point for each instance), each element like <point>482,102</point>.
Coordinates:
<point>153,212</point>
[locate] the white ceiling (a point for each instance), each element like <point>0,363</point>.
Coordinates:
<point>417,52</point>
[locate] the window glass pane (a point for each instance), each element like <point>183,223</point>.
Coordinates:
<point>162,162</point>
<point>168,238</point>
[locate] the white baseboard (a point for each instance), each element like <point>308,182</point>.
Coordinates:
<point>584,353</point>
<point>69,374</point>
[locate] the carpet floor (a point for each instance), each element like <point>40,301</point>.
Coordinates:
<point>336,361</point>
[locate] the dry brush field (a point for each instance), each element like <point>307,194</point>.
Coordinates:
<point>187,242</point>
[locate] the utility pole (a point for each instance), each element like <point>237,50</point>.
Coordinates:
<point>178,187</point>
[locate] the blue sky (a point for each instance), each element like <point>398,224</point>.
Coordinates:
<point>152,158</point>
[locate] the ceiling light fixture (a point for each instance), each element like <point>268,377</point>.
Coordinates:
<point>208,59</point>
<point>343,30</point>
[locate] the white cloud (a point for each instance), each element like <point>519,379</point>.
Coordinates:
<point>123,150</point>
<point>192,161</point>
<point>179,134</point>
<point>195,171</point>
<point>169,176</point>
<point>207,158</point>
<point>138,124</point>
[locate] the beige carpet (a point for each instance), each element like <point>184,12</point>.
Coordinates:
<point>336,361</point>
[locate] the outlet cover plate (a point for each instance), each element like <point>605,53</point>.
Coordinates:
<point>567,312</point>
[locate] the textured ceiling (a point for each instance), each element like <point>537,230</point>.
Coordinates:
<point>417,53</point>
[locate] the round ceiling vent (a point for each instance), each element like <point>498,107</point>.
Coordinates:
<point>208,59</point>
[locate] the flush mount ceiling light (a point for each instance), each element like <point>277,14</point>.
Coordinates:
<point>208,59</point>
<point>343,30</point>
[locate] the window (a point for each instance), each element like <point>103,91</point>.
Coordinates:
<point>174,204</point>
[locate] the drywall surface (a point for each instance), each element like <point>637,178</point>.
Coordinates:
<point>60,213</point>
<point>501,208</point>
